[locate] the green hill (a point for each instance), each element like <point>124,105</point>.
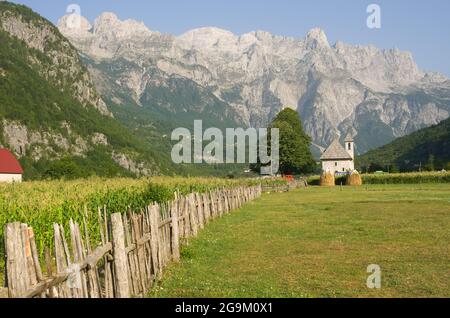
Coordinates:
<point>427,149</point>
<point>51,116</point>
<point>57,123</point>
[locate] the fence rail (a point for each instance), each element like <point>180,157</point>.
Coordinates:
<point>135,248</point>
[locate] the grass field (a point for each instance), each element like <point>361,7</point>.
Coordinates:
<point>318,242</point>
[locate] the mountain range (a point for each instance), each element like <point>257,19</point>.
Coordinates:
<point>105,97</point>
<point>377,95</point>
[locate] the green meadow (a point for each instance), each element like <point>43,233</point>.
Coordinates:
<point>318,242</point>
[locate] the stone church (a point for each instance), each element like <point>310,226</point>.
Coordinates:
<point>339,159</point>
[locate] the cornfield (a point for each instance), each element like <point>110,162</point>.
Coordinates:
<point>407,178</point>
<point>40,204</point>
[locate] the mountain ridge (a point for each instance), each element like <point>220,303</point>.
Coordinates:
<point>335,88</point>
<point>428,148</point>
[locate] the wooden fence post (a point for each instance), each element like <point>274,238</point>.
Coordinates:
<point>212,197</point>
<point>120,257</point>
<point>155,241</point>
<point>206,211</point>
<point>16,261</point>
<point>187,219</point>
<point>193,214</point>
<point>175,232</point>
<point>201,216</point>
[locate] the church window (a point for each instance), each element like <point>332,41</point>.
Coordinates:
<point>349,146</point>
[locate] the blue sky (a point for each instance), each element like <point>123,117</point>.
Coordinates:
<point>422,27</point>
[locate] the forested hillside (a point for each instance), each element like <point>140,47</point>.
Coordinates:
<point>52,117</point>
<point>426,149</point>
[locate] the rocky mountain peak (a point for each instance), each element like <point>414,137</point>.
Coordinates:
<point>263,35</point>
<point>74,24</point>
<point>107,17</point>
<point>316,38</point>
<point>109,23</point>
<point>207,37</point>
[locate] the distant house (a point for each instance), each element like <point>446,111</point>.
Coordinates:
<point>339,159</point>
<point>10,169</point>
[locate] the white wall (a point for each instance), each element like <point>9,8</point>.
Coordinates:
<point>5,177</point>
<point>342,166</point>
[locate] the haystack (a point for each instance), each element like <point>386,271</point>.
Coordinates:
<point>327,179</point>
<point>354,179</point>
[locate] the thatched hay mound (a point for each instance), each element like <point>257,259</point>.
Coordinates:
<point>354,179</point>
<point>327,179</point>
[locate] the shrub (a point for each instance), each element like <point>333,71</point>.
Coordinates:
<point>64,168</point>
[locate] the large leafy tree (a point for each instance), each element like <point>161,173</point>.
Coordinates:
<point>295,153</point>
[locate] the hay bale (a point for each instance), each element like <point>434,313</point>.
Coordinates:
<point>354,179</point>
<point>327,179</point>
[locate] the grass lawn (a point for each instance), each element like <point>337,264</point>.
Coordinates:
<point>318,242</point>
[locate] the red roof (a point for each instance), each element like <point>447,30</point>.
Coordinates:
<point>9,163</point>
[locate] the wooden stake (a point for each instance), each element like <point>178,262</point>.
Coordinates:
<point>175,233</point>
<point>16,263</point>
<point>120,257</point>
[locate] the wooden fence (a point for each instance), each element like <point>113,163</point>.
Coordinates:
<point>136,248</point>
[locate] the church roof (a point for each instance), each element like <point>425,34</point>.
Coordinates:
<point>349,138</point>
<point>335,152</point>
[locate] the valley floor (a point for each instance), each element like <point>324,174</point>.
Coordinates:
<point>318,242</point>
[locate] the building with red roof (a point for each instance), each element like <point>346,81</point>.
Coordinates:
<point>10,168</point>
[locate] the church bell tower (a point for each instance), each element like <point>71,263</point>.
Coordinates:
<point>350,145</point>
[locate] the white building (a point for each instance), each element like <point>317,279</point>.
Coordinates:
<point>10,169</point>
<point>338,159</point>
